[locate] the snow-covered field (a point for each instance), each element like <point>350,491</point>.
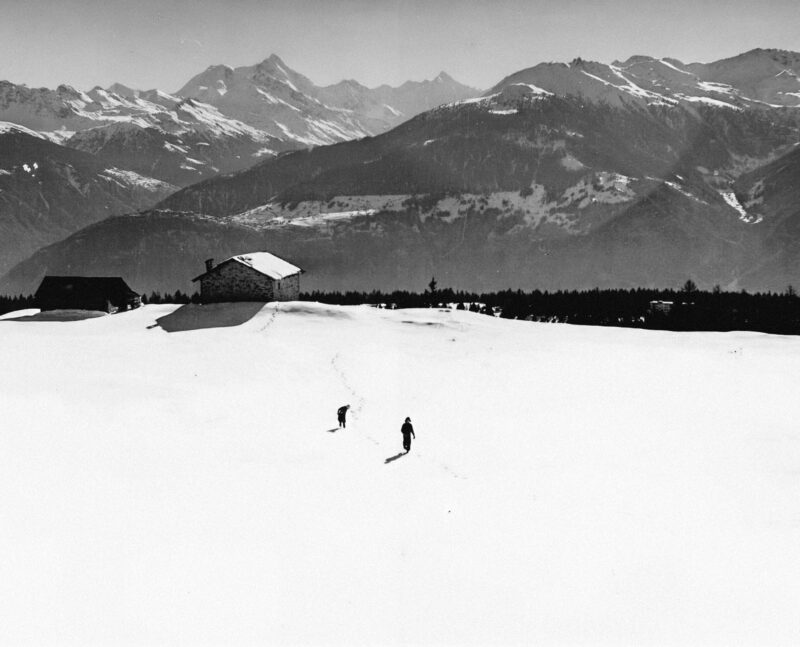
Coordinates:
<point>568,485</point>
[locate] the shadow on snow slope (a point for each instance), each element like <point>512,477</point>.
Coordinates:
<point>223,315</point>
<point>213,315</point>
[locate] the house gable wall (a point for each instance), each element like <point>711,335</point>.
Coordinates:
<point>288,289</point>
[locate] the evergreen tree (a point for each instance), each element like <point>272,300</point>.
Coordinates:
<point>689,288</point>
<point>432,285</point>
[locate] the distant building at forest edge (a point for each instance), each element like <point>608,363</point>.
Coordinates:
<point>660,307</point>
<point>256,276</point>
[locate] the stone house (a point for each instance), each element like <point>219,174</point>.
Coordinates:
<point>105,293</point>
<point>257,276</point>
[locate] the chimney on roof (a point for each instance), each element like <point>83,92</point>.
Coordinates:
<point>209,264</point>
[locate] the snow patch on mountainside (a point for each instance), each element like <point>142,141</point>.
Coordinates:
<point>394,111</point>
<point>218,124</point>
<point>717,103</point>
<point>313,211</point>
<point>677,187</point>
<point>26,167</point>
<point>630,88</point>
<point>673,67</point>
<point>471,101</point>
<point>130,178</point>
<point>733,201</point>
<point>603,187</point>
<point>535,89</point>
<point>176,148</point>
<point>571,163</point>
<point>60,136</point>
<point>325,218</point>
<point>722,88</point>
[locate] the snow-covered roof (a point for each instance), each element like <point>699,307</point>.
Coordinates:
<point>268,264</point>
<point>263,262</point>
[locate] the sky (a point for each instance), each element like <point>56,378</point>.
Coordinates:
<point>163,43</point>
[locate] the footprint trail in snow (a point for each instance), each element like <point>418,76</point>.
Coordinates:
<point>359,406</point>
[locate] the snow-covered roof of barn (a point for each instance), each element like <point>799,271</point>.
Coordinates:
<point>263,262</point>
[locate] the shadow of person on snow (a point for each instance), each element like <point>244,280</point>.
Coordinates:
<point>193,316</point>
<point>333,431</point>
<point>394,458</point>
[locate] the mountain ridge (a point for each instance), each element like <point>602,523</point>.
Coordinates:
<point>562,175</point>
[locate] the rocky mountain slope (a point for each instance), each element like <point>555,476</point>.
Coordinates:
<point>647,172</point>
<point>48,191</point>
<point>771,196</point>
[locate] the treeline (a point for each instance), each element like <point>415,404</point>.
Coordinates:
<point>20,302</point>
<point>167,297</point>
<point>685,309</point>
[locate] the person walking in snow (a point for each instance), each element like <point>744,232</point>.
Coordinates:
<point>342,413</point>
<point>408,433</point>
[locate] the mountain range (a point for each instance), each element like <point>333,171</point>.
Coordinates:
<point>221,121</point>
<point>643,172</point>
<point>151,142</point>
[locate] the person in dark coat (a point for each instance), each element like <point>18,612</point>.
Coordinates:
<point>342,413</point>
<point>408,433</point>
